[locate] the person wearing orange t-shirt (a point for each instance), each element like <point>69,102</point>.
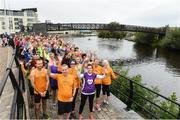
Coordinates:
<point>98,82</point>
<point>66,91</point>
<point>73,71</point>
<point>106,82</point>
<point>40,82</point>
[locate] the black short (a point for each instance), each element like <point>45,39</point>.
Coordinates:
<point>31,89</point>
<point>98,90</point>
<point>54,87</point>
<point>37,97</point>
<point>64,107</point>
<point>106,90</point>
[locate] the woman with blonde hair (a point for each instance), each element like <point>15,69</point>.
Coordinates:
<point>106,82</point>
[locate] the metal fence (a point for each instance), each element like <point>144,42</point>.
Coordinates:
<point>18,109</point>
<point>129,92</point>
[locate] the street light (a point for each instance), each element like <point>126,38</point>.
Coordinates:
<point>6,27</point>
<point>5,15</point>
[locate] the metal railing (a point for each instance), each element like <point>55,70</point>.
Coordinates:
<point>132,92</point>
<point>18,109</point>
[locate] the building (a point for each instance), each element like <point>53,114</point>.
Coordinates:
<point>12,21</point>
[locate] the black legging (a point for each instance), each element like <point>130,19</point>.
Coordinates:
<point>74,99</point>
<point>83,101</point>
<point>98,90</point>
<point>106,90</point>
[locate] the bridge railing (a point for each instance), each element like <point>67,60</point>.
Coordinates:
<point>48,27</point>
<point>18,108</point>
<point>133,91</point>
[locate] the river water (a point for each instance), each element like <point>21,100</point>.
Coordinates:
<point>157,67</point>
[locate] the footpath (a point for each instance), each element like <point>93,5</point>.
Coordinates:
<point>8,92</point>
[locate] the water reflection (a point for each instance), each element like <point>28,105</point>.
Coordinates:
<point>143,51</point>
<point>112,45</point>
<point>172,60</point>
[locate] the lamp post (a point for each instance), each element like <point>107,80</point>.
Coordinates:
<point>5,15</point>
<point>6,27</point>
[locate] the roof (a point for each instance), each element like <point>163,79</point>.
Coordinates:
<point>22,10</point>
<point>34,9</point>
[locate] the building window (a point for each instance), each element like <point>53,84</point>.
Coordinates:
<point>10,26</point>
<point>30,20</point>
<point>16,23</point>
<point>30,13</point>
<point>9,12</point>
<point>3,27</point>
<point>17,28</point>
<point>15,19</point>
<point>1,12</point>
<point>3,23</point>
<point>29,24</point>
<point>18,13</point>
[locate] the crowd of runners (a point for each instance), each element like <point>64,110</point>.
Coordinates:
<point>58,68</point>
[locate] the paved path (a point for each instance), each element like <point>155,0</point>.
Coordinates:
<point>8,92</point>
<point>3,60</point>
<point>115,110</point>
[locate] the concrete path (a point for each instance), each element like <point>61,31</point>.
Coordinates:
<point>8,92</point>
<point>3,60</point>
<point>115,110</point>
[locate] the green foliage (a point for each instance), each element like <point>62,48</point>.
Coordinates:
<point>113,26</point>
<point>112,32</point>
<point>108,34</point>
<point>172,39</point>
<point>169,106</point>
<point>145,38</point>
<point>121,85</point>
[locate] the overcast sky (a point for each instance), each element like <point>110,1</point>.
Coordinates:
<point>135,12</point>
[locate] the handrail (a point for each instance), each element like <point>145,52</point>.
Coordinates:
<point>148,89</point>
<point>132,92</point>
<point>18,109</point>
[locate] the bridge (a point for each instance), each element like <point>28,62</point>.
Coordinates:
<point>48,27</point>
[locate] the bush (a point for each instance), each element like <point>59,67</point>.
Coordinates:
<point>112,32</point>
<point>145,38</point>
<point>108,34</point>
<point>120,86</point>
<point>172,39</point>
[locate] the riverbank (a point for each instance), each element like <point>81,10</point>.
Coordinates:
<point>170,41</point>
<point>158,67</point>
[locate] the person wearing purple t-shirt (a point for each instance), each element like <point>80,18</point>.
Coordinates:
<point>88,89</point>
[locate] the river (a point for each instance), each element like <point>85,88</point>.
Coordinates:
<point>157,67</point>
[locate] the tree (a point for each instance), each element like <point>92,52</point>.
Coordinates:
<point>113,26</point>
